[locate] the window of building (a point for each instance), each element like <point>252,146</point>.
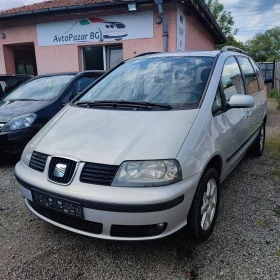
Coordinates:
<point>232,80</point>
<point>250,76</point>
<point>102,57</point>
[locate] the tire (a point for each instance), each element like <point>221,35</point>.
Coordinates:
<point>257,149</point>
<point>204,209</point>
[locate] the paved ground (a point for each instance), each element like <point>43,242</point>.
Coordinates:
<point>245,243</point>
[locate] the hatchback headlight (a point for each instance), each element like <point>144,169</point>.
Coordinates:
<point>150,173</point>
<point>19,122</point>
<point>27,153</point>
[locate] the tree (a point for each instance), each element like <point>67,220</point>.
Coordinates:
<point>265,46</point>
<point>226,23</point>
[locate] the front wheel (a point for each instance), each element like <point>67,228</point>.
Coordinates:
<point>258,146</point>
<point>204,208</point>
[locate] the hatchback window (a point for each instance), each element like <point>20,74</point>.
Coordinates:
<point>232,80</point>
<point>45,88</point>
<point>251,81</point>
<point>177,81</point>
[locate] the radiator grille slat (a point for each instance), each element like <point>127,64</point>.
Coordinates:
<point>67,220</point>
<point>38,161</point>
<point>100,174</point>
<point>137,230</point>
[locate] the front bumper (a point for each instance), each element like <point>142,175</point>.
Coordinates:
<point>112,209</point>
<point>14,142</point>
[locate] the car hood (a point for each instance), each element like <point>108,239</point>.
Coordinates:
<point>113,136</point>
<point>13,108</point>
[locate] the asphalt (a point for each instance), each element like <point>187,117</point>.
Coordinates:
<point>244,245</point>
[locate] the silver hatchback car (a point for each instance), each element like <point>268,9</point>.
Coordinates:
<point>141,153</point>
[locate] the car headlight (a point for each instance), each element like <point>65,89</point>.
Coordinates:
<point>19,122</point>
<point>150,173</point>
<point>27,153</point>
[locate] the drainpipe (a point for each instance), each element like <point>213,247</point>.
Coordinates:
<point>159,3</point>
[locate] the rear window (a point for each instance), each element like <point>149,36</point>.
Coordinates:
<point>177,81</point>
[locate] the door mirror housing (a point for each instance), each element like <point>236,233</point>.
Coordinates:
<point>241,101</point>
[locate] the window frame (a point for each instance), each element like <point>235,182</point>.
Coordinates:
<point>243,74</point>
<point>221,84</point>
<point>223,100</point>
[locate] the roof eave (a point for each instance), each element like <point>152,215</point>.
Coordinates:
<point>69,8</point>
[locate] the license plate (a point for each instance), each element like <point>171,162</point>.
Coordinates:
<point>60,204</point>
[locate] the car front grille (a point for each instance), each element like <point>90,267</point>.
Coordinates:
<point>67,220</point>
<point>100,174</point>
<point>38,161</point>
<point>61,170</point>
<point>137,230</point>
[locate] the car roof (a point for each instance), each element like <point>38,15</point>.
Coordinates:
<point>71,73</point>
<point>174,54</point>
<point>213,53</point>
<point>15,75</point>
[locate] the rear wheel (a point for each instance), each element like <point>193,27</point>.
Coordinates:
<point>258,146</point>
<point>204,208</point>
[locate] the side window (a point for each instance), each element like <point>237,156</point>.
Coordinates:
<point>251,81</point>
<point>232,80</point>
<point>259,75</point>
<point>217,104</point>
<point>78,87</point>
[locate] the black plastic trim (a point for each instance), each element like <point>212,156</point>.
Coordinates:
<point>112,207</point>
<point>236,152</point>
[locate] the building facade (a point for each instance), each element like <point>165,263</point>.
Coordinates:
<point>75,35</point>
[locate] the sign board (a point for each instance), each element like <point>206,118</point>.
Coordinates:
<point>97,29</point>
<point>181,31</point>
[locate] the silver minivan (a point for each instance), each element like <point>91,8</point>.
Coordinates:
<point>142,153</point>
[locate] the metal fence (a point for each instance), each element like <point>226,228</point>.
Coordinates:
<point>277,76</point>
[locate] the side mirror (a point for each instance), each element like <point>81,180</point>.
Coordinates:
<point>241,101</point>
<point>268,81</point>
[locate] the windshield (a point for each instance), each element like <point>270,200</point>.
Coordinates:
<point>177,81</point>
<point>45,88</point>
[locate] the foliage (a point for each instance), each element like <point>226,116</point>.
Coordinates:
<point>265,46</point>
<point>226,22</point>
<point>273,93</point>
<point>223,18</point>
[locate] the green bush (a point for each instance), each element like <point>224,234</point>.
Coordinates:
<point>273,93</point>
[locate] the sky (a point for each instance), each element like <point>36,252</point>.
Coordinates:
<point>250,16</point>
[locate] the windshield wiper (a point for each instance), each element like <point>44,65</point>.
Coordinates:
<point>116,103</point>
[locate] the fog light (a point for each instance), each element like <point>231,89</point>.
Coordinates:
<point>160,226</point>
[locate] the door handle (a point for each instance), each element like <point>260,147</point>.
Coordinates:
<point>249,113</point>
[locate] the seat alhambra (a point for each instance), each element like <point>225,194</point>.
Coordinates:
<point>142,153</point>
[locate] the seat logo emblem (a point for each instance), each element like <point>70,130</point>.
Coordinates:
<point>59,170</point>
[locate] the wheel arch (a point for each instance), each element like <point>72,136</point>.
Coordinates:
<point>215,162</point>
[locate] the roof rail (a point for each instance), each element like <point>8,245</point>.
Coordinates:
<point>228,48</point>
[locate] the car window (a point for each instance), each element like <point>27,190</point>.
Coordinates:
<point>78,87</point>
<point>232,80</point>
<point>250,76</point>
<point>178,81</point>
<point>259,75</point>
<point>44,88</point>
<point>217,104</point>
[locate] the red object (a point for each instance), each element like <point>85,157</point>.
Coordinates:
<point>95,20</point>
